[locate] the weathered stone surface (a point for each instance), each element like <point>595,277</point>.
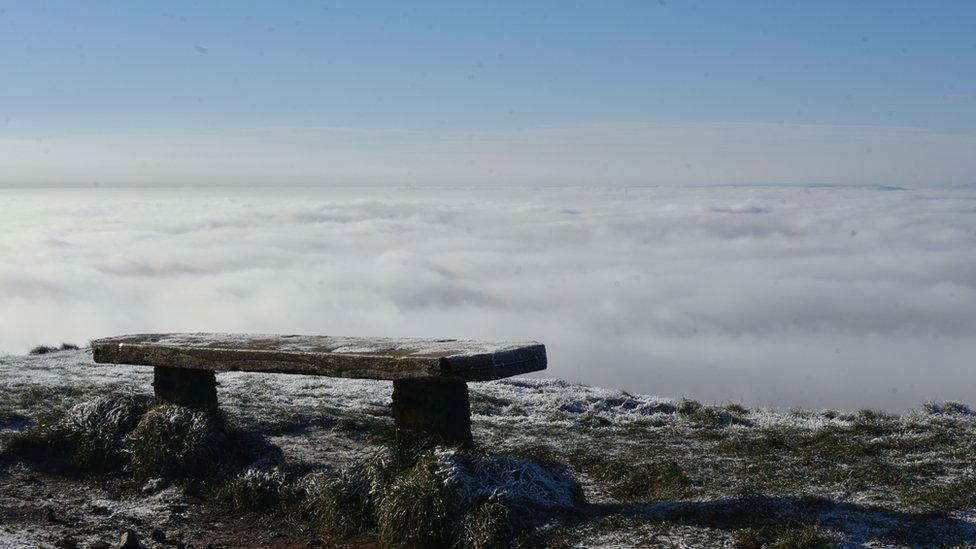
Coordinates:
<point>432,412</point>
<point>195,389</point>
<point>351,357</point>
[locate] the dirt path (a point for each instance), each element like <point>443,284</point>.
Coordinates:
<point>42,510</point>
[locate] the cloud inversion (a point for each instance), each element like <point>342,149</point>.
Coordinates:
<point>847,297</point>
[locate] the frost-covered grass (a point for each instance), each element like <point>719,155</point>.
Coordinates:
<point>437,498</point>
<point>651,470</point>
<point>90,435</point>
<point>174,442</point>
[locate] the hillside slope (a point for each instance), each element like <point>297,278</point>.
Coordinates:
<point>652,470</point>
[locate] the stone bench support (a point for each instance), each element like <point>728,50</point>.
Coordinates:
<point>194,389</point>
<point>438,410</point>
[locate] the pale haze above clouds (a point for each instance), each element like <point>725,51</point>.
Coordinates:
<point>589,154</point>
<point>786,296</point>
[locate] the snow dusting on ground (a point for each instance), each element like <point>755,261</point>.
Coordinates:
<point>653,469</point>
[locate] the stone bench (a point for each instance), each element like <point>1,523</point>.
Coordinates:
<point>430,394</point>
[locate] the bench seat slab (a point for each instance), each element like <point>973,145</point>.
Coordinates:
<point>350,357</point>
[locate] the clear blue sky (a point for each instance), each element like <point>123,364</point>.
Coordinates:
<point>174,68</point>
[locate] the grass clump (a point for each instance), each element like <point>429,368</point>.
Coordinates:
<point>416,510</point>
<point>115,434</point>
<point>347,426</point>
<point>649,482</point>
<point>45,349</point>
<point>629,481</point>
<point>424,508</point>
<point>707,417</point>
<point>444,498</point>
<point>540,453</point>
<point>49,397</point>
<point>89,436</point>
<point>941,498</point>
<point>688,407</point>
<point>469,499</point>
<point>809,537</point>
<point>780,537</point>
<point>253,491</point>
<point>947,408</point>
<point>736,408</point>
<point>874,423</point>
<point>488,405</point>
<point>334,507</point>
<point>175,442</point>
<point>42,441</point>
<point>490,524</point>
<point>97,428</point>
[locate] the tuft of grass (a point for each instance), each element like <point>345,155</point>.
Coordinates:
<point>629,481</point>
<point>331,506</point>
<point>708,417</point>
<point>809,537</point>
<point>96,429</point>
<point>779,537</point>
<point>409,506</point>
<point>874,423</point>
<point>688,407</point>
<point>762,442</point>
<point>948,408</point>
<point>45,349</point>
<point>753,537</point>
<point>347,426</point>
<point>941,498</point>
<point>488,405</point>
<point>48,397</point>
<point>415,510</point>
<point>119,433</point>
<point>42,350</point>
<point>175,442</point>
<point>489,525</point>
<point>438,501</point>
<point>245,494</point>
<point>88,437</point>
<point>42,441</point>
<point>541,453</point>
<point>648,481</point>
<point>334,507</point>
<point>736,408</point>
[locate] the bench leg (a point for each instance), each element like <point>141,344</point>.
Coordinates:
<point>433,412</point>
<point>195,389</point>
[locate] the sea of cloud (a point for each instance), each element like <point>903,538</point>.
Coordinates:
<point>784,296</point>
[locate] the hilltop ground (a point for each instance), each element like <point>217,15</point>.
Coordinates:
<point>650,471</point>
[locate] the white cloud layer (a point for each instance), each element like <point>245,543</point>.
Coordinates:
<point>824,297</point>
<point>588,154</point>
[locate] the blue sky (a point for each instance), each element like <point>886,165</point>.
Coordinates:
<point>419,78</point>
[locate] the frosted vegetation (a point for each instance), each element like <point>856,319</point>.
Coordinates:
<point>556,463</point>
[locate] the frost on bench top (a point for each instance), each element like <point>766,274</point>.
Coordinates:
<point>353,357</point>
